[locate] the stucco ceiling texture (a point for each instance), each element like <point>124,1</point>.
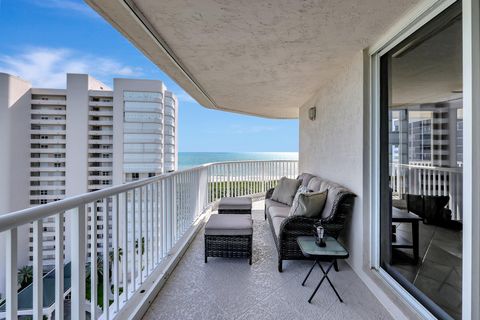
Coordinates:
<point>431,72</point>
<point>264,57</point>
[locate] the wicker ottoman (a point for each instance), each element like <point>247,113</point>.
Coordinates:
<point>229,236</point>
<point>235,205</point>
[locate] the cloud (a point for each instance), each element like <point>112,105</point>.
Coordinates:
<point>70,6</point>
<point>47,67</point>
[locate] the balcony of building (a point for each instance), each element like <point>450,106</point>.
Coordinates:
<point>376,86</point>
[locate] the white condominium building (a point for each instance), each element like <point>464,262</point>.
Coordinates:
<point>64,142</point>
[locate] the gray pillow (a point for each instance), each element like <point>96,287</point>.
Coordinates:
<point>285,190</point>
<point>301,189</point>
<point>309,204</point>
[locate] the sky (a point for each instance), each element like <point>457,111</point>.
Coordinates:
<point>42,40</point>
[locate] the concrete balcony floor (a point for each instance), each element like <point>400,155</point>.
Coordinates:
<point>232,289</point>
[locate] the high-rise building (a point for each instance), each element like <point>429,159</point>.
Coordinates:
<point>64,142</point>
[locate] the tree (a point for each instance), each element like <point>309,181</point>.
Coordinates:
<point>25,276</point>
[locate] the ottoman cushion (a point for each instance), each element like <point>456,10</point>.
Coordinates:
<point>235,204</point>
<point>229,225</point>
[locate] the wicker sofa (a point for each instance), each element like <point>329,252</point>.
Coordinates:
<point>285,229</point>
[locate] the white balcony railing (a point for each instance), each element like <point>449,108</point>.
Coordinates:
<point>147,218</point>
<point>428,180</point>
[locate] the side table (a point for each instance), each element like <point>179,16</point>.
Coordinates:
<point>331,253</point>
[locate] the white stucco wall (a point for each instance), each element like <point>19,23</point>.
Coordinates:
<point>336,146</point>
<point>14,160</point>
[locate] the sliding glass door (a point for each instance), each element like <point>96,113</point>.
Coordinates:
<point>421,163</point>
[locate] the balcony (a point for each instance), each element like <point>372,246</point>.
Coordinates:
<point>165,213</point>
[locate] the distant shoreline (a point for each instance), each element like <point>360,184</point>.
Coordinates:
<point>192,159</point>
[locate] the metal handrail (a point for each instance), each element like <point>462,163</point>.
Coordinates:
<point>155,211</point>
<point>17,218</point>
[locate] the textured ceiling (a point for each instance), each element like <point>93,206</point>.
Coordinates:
<point>431,72</point>
<point>253,56</point>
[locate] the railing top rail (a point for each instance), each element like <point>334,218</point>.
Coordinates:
<point>21,217</point>
<point>415,166</point>
<point>245,161</point>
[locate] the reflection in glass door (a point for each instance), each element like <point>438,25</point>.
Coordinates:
<point>421,163</point>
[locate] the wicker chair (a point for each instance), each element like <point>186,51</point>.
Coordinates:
<point>295,226</point>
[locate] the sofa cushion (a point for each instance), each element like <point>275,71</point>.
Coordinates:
<point>270,203</point>
<point>281,212</point>
<point>309,204</point>
<point>229,225</point>
<point>285,190</point>
<point>301,189</point>
<point>277,222</point>
<point>334,190</point>
<point>235,203</point>
<point>305,177</point>
<point>314,184</point>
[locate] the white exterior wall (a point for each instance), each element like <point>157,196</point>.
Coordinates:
<point>170,131</point>
<point>47,159</point>
<point>336,146</point>
<point>142,120</point>
<point>64,142</point>
<point>14,159</point>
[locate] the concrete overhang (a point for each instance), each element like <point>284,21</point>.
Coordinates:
<point>257,57</point>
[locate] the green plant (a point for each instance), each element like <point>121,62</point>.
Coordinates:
<point>25,276</point>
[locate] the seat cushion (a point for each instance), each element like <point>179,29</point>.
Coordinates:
<point>281,212</point>
<point>285,190</point>
<point>277,222</point>
<point>237,203</point>
<point>229,225</point>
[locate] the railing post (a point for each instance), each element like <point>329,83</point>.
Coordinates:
<point>228,180</point>
<point>93,262</point>
<point>78,263</point>
<point>125,249</point>
<point>116,254</point>
<point>11,274</point>
<point>263,178</point>
<point>106,257</point>
<point>59,283</point>
<point>37,270</point>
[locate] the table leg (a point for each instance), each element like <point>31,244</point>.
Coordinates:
<point>308,274</point>
<point>325,276</point>
<point>415,236</point>
<point>328,279</point>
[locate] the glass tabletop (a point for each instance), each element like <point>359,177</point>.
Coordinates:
<point>332,249</point>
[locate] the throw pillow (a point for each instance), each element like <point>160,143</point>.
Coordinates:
<point>309,204</point>
<point>285,190</point>
<point>301,189</point>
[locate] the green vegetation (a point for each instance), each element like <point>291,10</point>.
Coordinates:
<point>25,276</point>
<point>238,188</point>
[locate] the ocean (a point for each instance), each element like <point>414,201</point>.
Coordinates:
<point>192,159</point>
